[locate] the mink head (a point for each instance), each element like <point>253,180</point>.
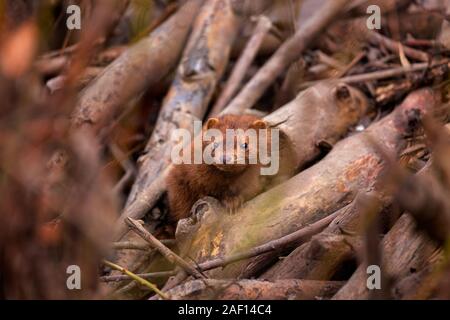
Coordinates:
<point>234,141</point>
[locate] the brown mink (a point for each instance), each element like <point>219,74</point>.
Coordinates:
<point>231,184</point>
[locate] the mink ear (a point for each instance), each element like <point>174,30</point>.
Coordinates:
<point>259,124</point>
<point>211,123</point>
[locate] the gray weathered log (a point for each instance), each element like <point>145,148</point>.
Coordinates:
<point>291,289</point>
<point>404,252</point>
<point>288,52</point>
<point>322,257</point>
<point>142,65</point>
<point>353,165</point>
<point>203,63</point>
<point>337,107</point>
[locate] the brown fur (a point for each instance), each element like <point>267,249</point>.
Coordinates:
<point>232,184</point>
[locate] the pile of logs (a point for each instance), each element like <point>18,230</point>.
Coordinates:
<point>365,214</point>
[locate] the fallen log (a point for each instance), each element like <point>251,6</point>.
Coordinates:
<point>291,289</point>
<point>323,256</point>
<point>203,63</point>
<point>288,52</point>
<point>353,165</point>
<point>145,63</point>
<point>420,285</point>
<point>404,249</point>
<point>323,114</point>
<point>337,107</point>
<point>262,27</point>
<point>404,252</point>
<point>425,197</point>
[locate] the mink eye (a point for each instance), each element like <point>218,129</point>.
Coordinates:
<point>244,145</point>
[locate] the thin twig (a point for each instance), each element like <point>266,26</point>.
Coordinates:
<point>240,69</point>
<point>137,278</point>
<point>377,75</point>
<point>140,246</point>
<point>288,52</point>
<point>123,277</point>
<point>166,252</point>
<point>298,236</point>
<point>394,46</point>
<point>353,63</point>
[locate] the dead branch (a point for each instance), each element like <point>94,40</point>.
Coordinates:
<point>123,277</point>
<point>291,289</point>
<point>394,46</point>
<point>404,251</point>
<point>337,107</point>
<point>135,277</point>
<point>383,74</point>
<point>166,252</point>
<point>294,238</point>
<point>352,165</point>
<point>263,26</point>
<point>140,246</point>
<point>140,66</point>
<point>192,89</point>
<point>284,56</point>
<point>322,257</point>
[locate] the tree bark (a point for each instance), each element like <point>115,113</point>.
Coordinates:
<point>142,65</point>
<point>291,289</point>
<point>354,164</point>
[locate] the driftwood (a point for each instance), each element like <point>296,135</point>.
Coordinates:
<point>424,196</point>
<point>337,108</point>
<point>146,63</point>
<point>404,252</point>
<point>322,114</point>
<point>422,284</point>
<point>203,62</point>
<point>262,27</point>
<point>351,166</point>
<point>291,289</point>
<point>284,56</point>
<point>336,245</point>
<point>202,65</point>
